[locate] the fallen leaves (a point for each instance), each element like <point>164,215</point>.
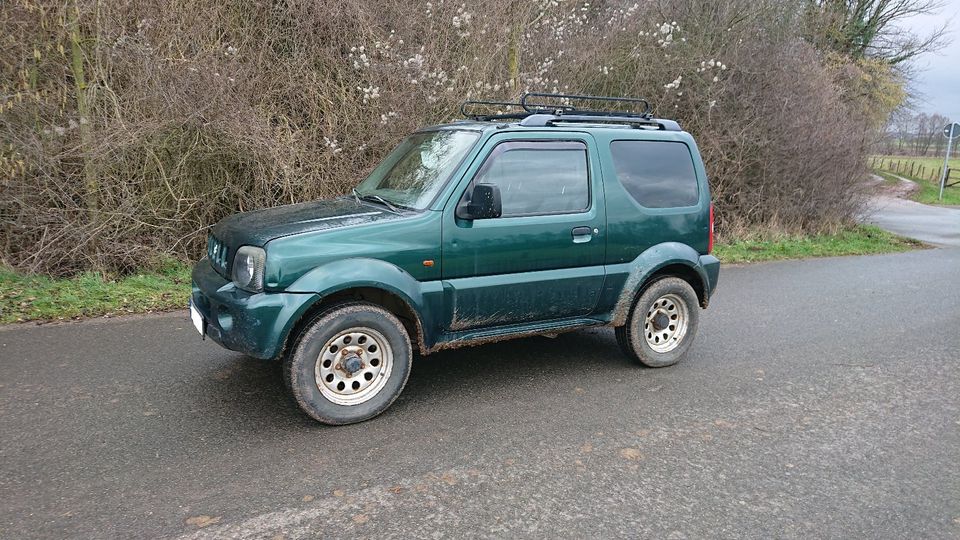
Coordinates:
<point>448,478</point>
<point>360,519</point>
<point>202,521</point>
<point>631,453</point>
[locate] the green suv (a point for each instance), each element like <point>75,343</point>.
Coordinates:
<point>540,221</point>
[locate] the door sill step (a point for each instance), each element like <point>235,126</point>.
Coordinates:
<point>499,333</point>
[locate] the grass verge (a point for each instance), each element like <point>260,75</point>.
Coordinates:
<point>860,240</point>
<point>926,177</point>
<point>39,298</point>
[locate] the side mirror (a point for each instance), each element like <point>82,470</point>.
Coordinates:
<point>484,203</point>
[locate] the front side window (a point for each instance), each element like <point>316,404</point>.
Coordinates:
<point>547,177</point>
<point>418,168</point>
<point>657,174</point>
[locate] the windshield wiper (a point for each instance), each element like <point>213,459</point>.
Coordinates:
<point>356,195</point>
<point>381,200</point>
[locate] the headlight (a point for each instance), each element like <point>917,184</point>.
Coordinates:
<point>248,268</point>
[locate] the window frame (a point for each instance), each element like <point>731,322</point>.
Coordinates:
<point>667,209</point>
<point>501,148</point>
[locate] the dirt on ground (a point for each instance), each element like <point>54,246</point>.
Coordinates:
<point>902,189</point>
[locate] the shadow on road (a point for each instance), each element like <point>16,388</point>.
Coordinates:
<point>252,389</point>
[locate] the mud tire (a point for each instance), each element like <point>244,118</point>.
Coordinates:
<point>631,336</point>
<point>300,362</point>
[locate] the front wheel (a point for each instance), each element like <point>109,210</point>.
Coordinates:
<point>662,323</point>
<point>349,364</point>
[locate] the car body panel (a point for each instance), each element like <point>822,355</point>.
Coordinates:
<point>524,268</point>
<point>405,241</point>
<point>257,227</point>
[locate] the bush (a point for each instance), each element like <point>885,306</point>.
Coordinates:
<point>127,129</point>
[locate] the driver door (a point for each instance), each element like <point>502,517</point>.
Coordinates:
<point>543,258</point>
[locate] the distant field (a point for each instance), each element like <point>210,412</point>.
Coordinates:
<point>925,172</point>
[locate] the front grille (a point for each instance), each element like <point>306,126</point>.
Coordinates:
<point>217,252</point>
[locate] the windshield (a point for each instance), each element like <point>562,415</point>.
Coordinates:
<point>412,174</point>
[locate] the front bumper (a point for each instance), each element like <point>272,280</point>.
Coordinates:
<point>255,324</point>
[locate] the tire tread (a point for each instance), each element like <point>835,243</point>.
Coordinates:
<point>632,346</point>
<point>294,359</point>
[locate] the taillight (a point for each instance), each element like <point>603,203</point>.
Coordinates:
<point>710,238</point>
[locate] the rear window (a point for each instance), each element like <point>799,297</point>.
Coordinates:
<point>657,174</point>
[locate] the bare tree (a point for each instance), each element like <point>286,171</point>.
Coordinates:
<point>898,130</point>
<point>928,132</point>
<point>868,28</point>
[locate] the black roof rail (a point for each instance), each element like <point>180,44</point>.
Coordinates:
<point>566,107</point>
<point>546,119</point>
<point>465,106</point>
<point>545,112</point>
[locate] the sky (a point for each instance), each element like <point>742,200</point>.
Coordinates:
<point>938,76</point>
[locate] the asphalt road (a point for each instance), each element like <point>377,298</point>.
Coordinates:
<point>890,208</point>
<point>936,225</point>
<point>821,399</point>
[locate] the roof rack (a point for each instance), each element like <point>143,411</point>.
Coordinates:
<point>566,99</point>
<point>545,112</point>
<point>527,109</point>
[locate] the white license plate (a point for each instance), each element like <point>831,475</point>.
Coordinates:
<point>197,318</point>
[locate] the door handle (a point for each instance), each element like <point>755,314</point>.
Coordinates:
<point>582,234</point>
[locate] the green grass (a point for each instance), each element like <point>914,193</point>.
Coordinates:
<point>30,297</point>
<point>39,298</point>
<point>861,240</point>
<point>928,181</point>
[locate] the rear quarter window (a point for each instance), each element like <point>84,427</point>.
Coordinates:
<point>657,174</point>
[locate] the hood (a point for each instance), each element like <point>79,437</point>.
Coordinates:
<point>257,227</point>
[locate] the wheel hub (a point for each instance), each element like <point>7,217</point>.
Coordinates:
<point>665,325</point>
<point>660,321</point>
<point>351,363</point>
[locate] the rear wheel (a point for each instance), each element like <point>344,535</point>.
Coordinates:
<point>349,364</point>
<point>662,323</point>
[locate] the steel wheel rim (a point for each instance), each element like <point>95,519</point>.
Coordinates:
<point>666,323</point>
<point>334,379</point>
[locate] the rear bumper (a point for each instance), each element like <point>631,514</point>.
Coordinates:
<point>255,324</point>
<point>711,269</point>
